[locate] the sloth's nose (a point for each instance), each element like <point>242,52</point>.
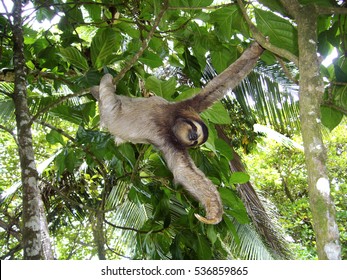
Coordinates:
<point>193,136</point>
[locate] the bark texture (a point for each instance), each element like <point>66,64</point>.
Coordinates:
<point>311,93</point>
<point>36,243</point>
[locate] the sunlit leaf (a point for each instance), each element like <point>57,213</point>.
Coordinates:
<point>74,56</point>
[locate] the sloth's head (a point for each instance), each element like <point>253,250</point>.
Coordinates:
<point>189,132</point>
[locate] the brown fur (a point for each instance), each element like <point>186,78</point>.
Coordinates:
<point>167,126</point>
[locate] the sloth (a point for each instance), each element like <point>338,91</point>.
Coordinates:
<point>172,127</point>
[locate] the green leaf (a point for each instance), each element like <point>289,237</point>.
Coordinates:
<point>231,227</point>
<point>192,67</point>
<point>161,88</point>
<point>54,137</point>
<point>217,114</point>
<point>94,11</point>
<point>190,3</point>
<point>330,117</point>
<point>224,149</point>
<point>211,233</point>
<point>203,248</point>
<point>281,32</point>
<point>274,6</point>
<point>127,152</point>
<point>222,58</point>
<point>74,57</point>
<point>228,21</point>
<point>70,160</point>
<point>239,178</point>
<point>151,59</point>
<point>104,43</point>
<point>234,205</point>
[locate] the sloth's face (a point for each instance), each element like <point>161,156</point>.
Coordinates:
<point>190,133</point>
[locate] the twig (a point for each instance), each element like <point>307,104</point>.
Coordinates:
<point>58,102</point>
<point>134,229</point>
<point>10,132</point>
<point>286,70</point>
<point>144,45</point>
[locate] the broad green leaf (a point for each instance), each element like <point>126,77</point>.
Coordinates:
<point>231,227</point>
<point>161,88</point>
<point>70,160</point>
<point>340,96</point>
<point>228,21</point>
<point>187,94</point>
<point>127,152</point>
<point>222,58</point>
<point>224,149</point>
<point>281,32</point>
<point>211,233</point>
<point>94,11</point>
<point>217,114</point>
<point>54,137</point>
<point>151,59</point>
<point>190,3</point>
<point>239,178</point>
<point>74,57</point>
<point>234,205</point>
<point>104,43</point>
<point>203,248</point>
<point>330,117</point>
<point>192,67</point>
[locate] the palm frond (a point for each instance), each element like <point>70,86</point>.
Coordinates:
<point>278,137</point>
<point>272,103</point>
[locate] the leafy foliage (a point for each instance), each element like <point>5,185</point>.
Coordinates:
<point>83,173</point>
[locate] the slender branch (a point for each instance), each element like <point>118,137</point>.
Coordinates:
<point>8,228</point>
<point>331,10</point>
<point>10,132</point>
<point>264,41</point>
<point>134,229</point>
<point>58,102</point>
<point>7,13</point>
<point>334,106</point>
<point>286,70</point>
<point>103,170</point>
<point>144,45</point>
<point>215,7</point>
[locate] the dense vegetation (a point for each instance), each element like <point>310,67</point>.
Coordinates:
<point>98,200</point>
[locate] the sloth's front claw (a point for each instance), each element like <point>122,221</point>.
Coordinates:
<point>209,221</point>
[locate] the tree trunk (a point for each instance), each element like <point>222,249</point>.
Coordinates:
<point>311,93</point>
<point>97,223</point>
<point>36,243</point>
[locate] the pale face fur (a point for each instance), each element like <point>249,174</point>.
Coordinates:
<point>190,133</point>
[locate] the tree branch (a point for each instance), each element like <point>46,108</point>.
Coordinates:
<point>144,45</point>
<point>10,132</point>
<point>134,229</point>
<point>58,102</point>
<point>331,10</point>
<point>264,41</point>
